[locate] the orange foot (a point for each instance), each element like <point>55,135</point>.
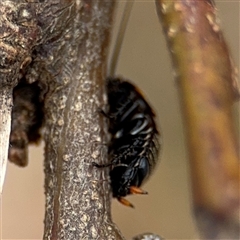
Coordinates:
<point>125,202</point>
<point>136,190</point>
<point>133,190</point>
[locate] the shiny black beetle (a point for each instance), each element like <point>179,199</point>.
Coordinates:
<point>134,144</point>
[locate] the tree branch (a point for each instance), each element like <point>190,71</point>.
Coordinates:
<point>207,88</point>
<point>19,33</point>
<point>77,194</point>
<point>62,45</point>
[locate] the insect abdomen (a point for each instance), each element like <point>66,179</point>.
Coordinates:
<point>134,146</point>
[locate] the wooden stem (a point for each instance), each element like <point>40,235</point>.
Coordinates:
<point>207,88</point>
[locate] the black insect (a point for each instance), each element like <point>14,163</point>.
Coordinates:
<point>134,145</point>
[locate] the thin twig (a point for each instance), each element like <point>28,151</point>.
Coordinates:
<point>120,36</point>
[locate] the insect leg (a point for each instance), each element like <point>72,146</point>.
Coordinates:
<point>113,162</point>
<point>101,165</point>
<point>136,190</point>
<point>125,202</point>
<point>103,113</point>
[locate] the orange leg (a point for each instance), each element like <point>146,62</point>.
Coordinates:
<point>125,202</point>
<point>136,190</point>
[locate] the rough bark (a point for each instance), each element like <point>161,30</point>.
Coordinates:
<point>63,45</point>
<point>207,88</point>
<point>19,33</point>
<point>78,195</point>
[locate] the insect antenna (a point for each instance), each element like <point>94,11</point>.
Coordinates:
<point>120,37</point>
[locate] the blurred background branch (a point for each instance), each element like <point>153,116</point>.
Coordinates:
<point>207,87</point>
